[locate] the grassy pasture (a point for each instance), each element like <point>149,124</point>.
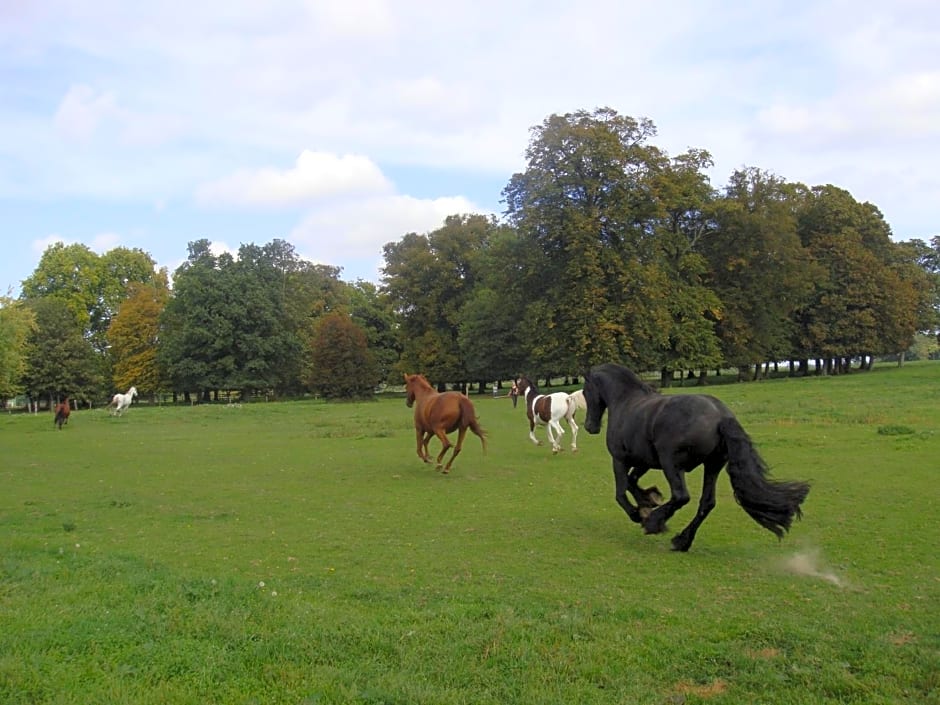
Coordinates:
<point>300,553</point>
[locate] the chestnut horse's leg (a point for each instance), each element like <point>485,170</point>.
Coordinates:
<point>422,445</point>
<point>460,436</point>
<point>445,446</point>
<point>428,435</point>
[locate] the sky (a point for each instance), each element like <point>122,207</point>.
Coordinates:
<point>342,126</point>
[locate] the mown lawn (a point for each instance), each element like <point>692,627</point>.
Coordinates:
<point>299,552</point>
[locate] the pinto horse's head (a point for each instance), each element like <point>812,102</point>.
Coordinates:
<point>596,405</point>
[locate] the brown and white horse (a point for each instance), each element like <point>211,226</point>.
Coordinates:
<point>548,410</point>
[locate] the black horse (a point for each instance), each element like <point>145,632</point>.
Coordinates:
<point>646,429</point>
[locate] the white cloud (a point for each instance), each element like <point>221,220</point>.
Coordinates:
<point>102,242</point>
<point>359,229</point>
<point>82,110</point>
<point>353,18</point>
<point>118,106</point>
<point>315,175</point>
<point>40,245</point>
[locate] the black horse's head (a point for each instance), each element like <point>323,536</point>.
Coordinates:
<point>596,405</point>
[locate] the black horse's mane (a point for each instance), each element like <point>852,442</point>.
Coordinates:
<point>625,375</point>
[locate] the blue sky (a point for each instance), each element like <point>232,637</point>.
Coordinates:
<point>341,126</point>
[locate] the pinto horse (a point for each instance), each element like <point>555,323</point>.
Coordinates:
<point>548,410</point>
<point>62,412</point>
<point>677,433</point>
<point>440,413</point>
<point>119,402</point>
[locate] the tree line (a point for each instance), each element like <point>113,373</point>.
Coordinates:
<point>610,249</point>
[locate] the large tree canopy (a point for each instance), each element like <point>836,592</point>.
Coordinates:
<point>92,286</point>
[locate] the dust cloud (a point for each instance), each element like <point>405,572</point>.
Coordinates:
<point>809,563</point>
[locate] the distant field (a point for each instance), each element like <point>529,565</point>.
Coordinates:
<point>299,552</point>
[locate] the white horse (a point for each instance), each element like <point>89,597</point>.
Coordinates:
<point>548,410</point>
<point>119,402</point>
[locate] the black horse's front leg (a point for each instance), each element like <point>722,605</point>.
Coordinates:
<point>622,484</point>
<point>646,499</point>
<point>655,522</point>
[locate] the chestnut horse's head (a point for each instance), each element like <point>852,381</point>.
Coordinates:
<point>413,385</point>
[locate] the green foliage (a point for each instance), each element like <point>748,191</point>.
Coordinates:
<point>135,335</point>
<point>372,312</point>
<point>92,286</point>
<point>342,367</point>
<point>616,224</point>
<point>429,279</point>
<point>612,250</point>
<point>16,323</point>
<point>305,554</point>
<point>59,359</point>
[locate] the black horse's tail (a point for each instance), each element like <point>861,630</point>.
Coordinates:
<point>771,503</point>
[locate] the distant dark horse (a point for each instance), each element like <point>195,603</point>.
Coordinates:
<point>677,433</point>
<point>440,413</point>
<point>62,412</point>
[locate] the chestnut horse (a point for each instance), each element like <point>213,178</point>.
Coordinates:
<point>62,412</point>
<point>440,413</point>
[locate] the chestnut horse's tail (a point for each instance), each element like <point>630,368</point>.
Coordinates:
<point>469,418</point>
<point>771,503</point>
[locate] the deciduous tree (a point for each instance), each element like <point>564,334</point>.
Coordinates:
<point>135,336</point>
<point>17,321</point>
<point>342,365</point>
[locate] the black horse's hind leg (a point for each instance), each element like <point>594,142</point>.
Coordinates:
<point>655,522</point>
<point>683,541</point>
<point>622,482</point>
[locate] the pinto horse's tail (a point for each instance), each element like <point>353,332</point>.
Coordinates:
<point>771,503</point>
<point>469,417</point>
<point>577,398</point>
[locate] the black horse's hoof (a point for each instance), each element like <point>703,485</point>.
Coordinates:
<point>654,496</point>
<point>680,543</point>
<point>650,498</point>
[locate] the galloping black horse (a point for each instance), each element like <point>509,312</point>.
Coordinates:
<point>646,429</point>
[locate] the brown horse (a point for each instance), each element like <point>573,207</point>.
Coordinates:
<point>62,412</point>
<point>440,413</point>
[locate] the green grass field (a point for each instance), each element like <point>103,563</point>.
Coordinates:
<point>299,552</point>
